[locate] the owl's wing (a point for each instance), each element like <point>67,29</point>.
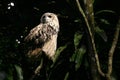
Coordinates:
<point>35,34</point>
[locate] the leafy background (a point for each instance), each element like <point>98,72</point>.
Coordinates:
<point>71,59</point>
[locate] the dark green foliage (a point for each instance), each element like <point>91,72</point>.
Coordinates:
<point>77,56</point>
<point>70,62</point>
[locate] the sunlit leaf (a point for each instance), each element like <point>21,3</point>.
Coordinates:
<point>102,33</point>
<point>19,72</point>
<point>66,76</point>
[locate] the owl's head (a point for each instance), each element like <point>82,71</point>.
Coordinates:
<point>50,19</point>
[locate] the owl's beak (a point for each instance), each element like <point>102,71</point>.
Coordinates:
<point>46,20</point>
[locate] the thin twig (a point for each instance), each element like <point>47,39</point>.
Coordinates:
<point>91,37</point>
<point>112,49</point>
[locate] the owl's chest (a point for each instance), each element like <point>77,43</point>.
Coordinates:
<point>48,29</point>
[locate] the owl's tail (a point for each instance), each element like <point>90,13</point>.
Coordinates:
<point>34,53</point>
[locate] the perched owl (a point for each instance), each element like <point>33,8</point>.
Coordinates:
<point>44,36</point>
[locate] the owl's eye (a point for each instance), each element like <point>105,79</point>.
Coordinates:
<point>49,16</point>
<point>43,17</point>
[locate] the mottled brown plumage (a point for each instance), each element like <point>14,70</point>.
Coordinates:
<point>44,36</point>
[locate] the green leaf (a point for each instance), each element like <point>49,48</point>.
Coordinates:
<point>80,52</point>
<point>77,38</point>
<point>103,11</point>
<point>77,20</point>
<point>78,56</point>
<point>58,51</point>
<point>101,32</point>
<point>19,72</point>
<point>66,76</point>
<point>72,59</point>
<point>105,21</point>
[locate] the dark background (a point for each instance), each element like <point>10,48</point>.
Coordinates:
<point>16,22</point>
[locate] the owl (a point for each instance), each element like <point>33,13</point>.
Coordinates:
<point>44,36</point>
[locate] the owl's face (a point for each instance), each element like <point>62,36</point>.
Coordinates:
<point>48,17</point>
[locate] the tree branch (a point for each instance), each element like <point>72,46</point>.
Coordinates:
<point>91,37</point>
<point>112,49</point>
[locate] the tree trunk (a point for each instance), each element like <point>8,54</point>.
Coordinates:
<point>88,10</point>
